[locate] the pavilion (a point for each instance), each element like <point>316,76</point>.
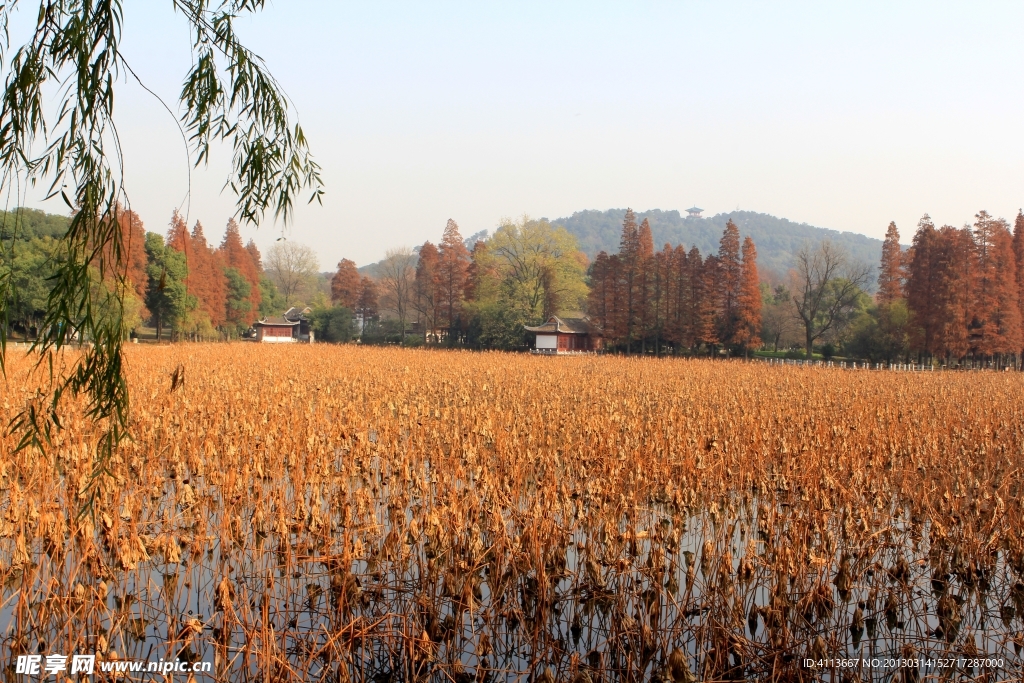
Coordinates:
<point>560,336</point>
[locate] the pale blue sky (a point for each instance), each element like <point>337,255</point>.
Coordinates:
<point>844,116</point>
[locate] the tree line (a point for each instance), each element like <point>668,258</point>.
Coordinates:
<point>483,295</point>
<point>476,296</point>
<point>181,284</point>
<point>677,299</point>
<point>956,294</point>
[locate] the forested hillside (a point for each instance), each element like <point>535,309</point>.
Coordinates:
<point>28,224</point>
<point>777,239</point>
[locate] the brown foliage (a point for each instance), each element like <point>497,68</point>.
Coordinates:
<point>367,306</point>
<point>206,278</point>
<point>254,254</point>
<point>748,304</point>
<point>890,272</point>
<point>475,271</point>
<point>178,237</point>
<point>451,273</point>
<point>963,289</point>
<point>729,283</point>
<point>670,296</point>
<point>234,255</point>
<point>996,324</point>
<point>427,295</point>
<point>346,285</point>
<point>133,246</point>
<point>1018,253</point>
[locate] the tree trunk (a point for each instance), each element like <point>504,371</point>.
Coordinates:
<point>810,344</point>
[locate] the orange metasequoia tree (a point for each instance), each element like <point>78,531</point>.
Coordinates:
<point>426,298</point>
<point>452,267</point>
<point>996,324</point>
<point>254,253</point>
<point>1018,253</point>
<point>628,271</point>
<point>922,289</point>
<point>678,299</point>
<point>132,263</point>
<point>236,256</point>
<point>695,298</point>
<point>890,271</point>
<point>643,284</point>
<point>661,296</point>
<point>133,245</point>
<point>346,285</point>
<point>179,239</point>
<point>953,281</point>
<point>707,310</point>
<point>368,298</point>
<point>728,283</point>
<point>477,272</point>
<point>208,284</point>
<point>748,306</point>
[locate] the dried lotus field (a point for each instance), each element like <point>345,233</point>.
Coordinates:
<point>363,514</point>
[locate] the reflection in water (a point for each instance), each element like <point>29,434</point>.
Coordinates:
<point>671,592</point>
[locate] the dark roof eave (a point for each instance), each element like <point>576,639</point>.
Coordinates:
<point>275,323</point>
<point>557,325</point>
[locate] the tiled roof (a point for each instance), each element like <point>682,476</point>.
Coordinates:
<point>566,326</point>
<point>294,313</point>
<point>276,321</point>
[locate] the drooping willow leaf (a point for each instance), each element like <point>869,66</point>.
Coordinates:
<point>73,150</point>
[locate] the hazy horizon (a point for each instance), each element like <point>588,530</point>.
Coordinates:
<point>841,117</point>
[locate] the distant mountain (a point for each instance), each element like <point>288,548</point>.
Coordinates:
<point>371,269</point>
<point>777,239</point>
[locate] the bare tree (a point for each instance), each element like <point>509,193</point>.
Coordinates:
<point>825,289</point>
<point>778,322</point>
<point>397,277</point>
<point>294,268</point>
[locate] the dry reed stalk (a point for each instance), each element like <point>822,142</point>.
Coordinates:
<point>341,513</point>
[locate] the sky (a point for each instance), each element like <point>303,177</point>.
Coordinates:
<point>841,115</point>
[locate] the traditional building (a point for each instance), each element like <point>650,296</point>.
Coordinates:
<point>276,330</point>
<point>694,212</point>
<point>304,332</point>
<point>567,335</point>
<point>293,326</point>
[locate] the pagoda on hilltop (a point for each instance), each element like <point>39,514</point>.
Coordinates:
<point>694,212</point>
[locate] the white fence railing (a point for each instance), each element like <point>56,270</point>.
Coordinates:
<point>899,367</point>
